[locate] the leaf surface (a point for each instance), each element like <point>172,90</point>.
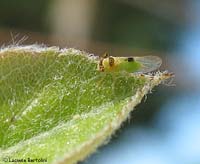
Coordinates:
<point>57,107</point>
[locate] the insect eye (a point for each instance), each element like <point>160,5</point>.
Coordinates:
<point>111,61</point>
<point>101,67</point>
<point>130,59</point>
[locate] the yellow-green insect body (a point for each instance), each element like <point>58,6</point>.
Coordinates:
<point>116,64</point>
<point>129,64</point>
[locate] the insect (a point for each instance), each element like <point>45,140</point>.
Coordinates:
<point>143,64</point>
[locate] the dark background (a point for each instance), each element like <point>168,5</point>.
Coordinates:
<point>164,128</point>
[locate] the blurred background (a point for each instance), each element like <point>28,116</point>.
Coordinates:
<point>165,128</point>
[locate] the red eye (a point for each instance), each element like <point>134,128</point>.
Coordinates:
<point>111,61</point>
<point>101,67</point>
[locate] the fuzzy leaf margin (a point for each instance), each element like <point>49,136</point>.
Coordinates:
<point>57,107</point>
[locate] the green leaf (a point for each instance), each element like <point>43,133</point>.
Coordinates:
<point>56,106</point>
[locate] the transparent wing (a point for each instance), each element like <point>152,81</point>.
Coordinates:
<point>148,63</point>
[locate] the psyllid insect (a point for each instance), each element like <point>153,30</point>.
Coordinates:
<point>143,64</point>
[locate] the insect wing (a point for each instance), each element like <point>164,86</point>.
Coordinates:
<point>148,63</point>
